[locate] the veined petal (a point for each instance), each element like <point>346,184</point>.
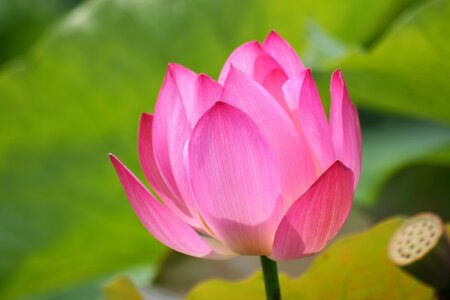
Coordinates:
<point>303,100</point>
<point>235,179</point>
<point>251,59</point>
<point>207,92</point>
<point>151,171</point>
<point>161,222</point>
<point>168,97</point>
<point>344,126</point>
<point>185,81</point>
<point>283,53</point>
<point>171,130</point>
<point>273,83</point>
<point>243,58</point>
<point>293,157</point>
<point>317,216</point>
<point>221,251</point>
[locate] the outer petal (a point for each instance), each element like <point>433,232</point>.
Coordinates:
<point>171,130</point>
<point>185,81</point>
<point>207,92</point>
<point>344,126</point>
<point>158,219</point>
<point>316,217</point>
<point>235,180</point>
<point>283,53</point>
<point>303,100</point>
<point>151,171</point>
<point>292,154</point>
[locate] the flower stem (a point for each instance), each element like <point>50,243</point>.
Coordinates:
<point>271,283</point>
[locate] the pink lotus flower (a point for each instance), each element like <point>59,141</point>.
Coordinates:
<point>250,164</point>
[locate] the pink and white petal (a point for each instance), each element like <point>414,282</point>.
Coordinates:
<point>344,126</point>
<point>151,171</point>
<point>304,101</point>
<point>161,222</point>
<point>237,195</point>
<point>317,216</point>
<point>293,157</point>
<point>207,92</point>
<point>283,53</point>
<point>171,130</point>
<point>220,250</point>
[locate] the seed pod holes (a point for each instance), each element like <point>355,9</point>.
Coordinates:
<point>415,238</point>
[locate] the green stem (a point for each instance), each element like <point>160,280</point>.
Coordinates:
<point>271,283</point>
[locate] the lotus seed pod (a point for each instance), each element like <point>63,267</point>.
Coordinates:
<point>421,248</point>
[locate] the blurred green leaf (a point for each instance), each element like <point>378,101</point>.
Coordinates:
<point>407,70</point>
<point>354,267</point>
<point>420,187</point>
<point>22,21</point>
<point>64,218</point>
<point>393,145</point>
<point>121,288</point>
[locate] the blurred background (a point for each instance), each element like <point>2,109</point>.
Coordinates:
<point>75,76</point>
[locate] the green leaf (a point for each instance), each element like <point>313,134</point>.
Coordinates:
<point>407,71</point>
<point>64,220</point>
<point>413,189</point>
<point>389,147</point>
<point>21,23</point>
<point>354,267</point>
<point>121,288</point>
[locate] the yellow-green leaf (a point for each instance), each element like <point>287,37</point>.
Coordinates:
<point>121,288</point>
<point>355,267</point>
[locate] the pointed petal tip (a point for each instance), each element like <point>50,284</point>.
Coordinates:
<point>337,75</point>
<point>249,44</point>
<point>338,86</point>
<point>170,67</point>
<point>283,53</point>
<point>176,234</point>
<point>118,165</point>
<point>338,164</point>
<point>252,43</point>
<point>273,34</point>
<point>145,118</point>
<point>112,157</point>
<point>220,107</point>
<point>146,115</point>
<point>317,216</point>
<point>344,125</point>
<point>203,76</point>
<point>174,67</point>
<point>220,103</point>
<point>234,71</point>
